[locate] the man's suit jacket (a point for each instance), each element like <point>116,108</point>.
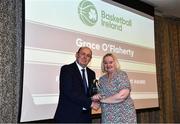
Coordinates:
<point>73,98</point>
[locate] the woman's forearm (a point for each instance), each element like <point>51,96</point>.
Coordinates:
<point>116,98</point>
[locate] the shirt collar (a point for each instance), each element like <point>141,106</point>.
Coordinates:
<point>79,67</point>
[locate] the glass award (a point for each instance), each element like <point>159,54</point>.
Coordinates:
<point>94,88</point>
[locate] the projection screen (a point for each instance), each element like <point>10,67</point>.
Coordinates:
<point>55,29</point>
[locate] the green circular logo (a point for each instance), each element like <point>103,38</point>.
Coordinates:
<point>87,13</point>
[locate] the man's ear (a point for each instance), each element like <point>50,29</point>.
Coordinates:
<point>76,55</point>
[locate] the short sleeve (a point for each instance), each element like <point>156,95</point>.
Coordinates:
<point>124,80</point>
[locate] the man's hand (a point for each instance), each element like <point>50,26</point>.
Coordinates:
<point>96,98</point>
<point>95,105</point>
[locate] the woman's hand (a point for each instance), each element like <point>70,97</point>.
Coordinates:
<point>96,97</point>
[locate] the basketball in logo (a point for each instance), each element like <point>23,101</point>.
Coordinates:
<point>87,13</point>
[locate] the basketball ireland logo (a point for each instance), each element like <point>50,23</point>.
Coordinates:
<point>87,13</point>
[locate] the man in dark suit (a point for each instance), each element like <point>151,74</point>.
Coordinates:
<point>75,101</point>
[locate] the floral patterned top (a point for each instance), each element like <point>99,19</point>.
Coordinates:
<point>122,112</point>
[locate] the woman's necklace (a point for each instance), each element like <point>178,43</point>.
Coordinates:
<point>110,78</point>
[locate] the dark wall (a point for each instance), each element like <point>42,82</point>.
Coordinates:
<point>11,66</point>
<point>10,59</point>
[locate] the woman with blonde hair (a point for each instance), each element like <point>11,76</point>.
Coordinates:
<point>114,89</point>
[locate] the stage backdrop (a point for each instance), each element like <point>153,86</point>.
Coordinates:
<point>54,31</point>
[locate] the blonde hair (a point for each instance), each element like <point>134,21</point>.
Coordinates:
<point>117,65</point>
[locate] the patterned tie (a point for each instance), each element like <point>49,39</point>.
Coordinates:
<point>84,80</point>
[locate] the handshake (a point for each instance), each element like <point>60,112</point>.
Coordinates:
<point>96,99</point>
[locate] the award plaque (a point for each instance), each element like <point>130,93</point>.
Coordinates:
<point>94,88</point>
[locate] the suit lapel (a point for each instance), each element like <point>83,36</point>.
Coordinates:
<point>89,76</point>
<point>77,72</point>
